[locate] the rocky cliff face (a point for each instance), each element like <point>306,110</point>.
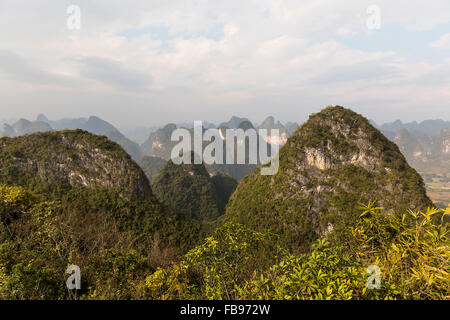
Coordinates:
<point>428,154</point>
<point>159,143</point>
<point>75,158</point>
<point>98,196</point>
<point>269,123</point>
<point>330,165</point>
<point>445,141</point>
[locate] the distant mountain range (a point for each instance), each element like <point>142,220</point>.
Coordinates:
<point>425,128</point>
<point>92,124</point>
<point>138,141</point>
<point>426,145</point>
<point>307,232</point>
<point>159,144</point>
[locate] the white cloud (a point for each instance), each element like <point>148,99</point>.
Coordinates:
<point>196,57</point>
<point>231,30</point>
<point>442,43</point>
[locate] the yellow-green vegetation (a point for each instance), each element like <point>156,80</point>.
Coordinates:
<point>16,197</point>
<point>91,176</point>
<point>114,241</point>
<point>42,238</point>
<point>412,251</point>
<point>74,198</point>
<point>215,269</point>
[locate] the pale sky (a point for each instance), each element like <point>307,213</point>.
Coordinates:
<point>148,62</point>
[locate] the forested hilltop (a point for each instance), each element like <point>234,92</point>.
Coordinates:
<point>425,145</point>
<point>344,199</point>
<point>190,189</point>
<point>71,197</point>
<point>334,162</point>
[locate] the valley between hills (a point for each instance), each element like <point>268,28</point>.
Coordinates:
<point>348,194</point>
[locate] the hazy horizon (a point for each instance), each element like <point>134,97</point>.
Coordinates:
<point>147,63</point>
<point>120,126</point>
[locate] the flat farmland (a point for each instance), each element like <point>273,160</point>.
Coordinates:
<point>438,189</point>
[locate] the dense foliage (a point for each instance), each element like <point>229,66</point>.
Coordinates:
<point>333,162</point>
<point>43,162</point>
<point>189,188</point>
<point>412,252</point>
<point>224,186</point>
<point>74,198</point>
<point>38,240</point>
<point>151,166</point>
<point>114,241</point>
